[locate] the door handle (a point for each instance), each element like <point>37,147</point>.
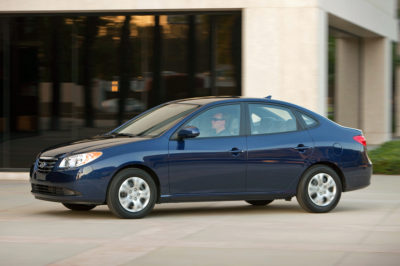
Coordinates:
<point>236,151</point>
<point>301,147</point>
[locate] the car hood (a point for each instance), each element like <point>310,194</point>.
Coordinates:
<point>87,145</point>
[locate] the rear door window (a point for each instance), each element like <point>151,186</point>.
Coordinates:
<point>269,119</point>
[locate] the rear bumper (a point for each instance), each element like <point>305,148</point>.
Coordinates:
<point>357,178</point>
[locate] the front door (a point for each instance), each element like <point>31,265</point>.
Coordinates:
<point>214,161</point>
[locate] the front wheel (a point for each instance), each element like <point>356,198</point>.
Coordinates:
<point>79,207</point>
<point>319,189</point>
<point>132,194</point>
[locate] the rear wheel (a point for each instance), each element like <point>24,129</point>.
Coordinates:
<point>132,194</point>
<point>79,207</point>
<point>259,202</point>
<point>319,189</point>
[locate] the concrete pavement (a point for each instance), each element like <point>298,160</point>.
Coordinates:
<point>363,230</point>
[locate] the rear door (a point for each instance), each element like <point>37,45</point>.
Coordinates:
<point>278,148</point>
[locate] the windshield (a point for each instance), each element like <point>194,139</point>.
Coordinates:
<point>157,121</point>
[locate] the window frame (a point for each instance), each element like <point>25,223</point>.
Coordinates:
<point>300,126</point>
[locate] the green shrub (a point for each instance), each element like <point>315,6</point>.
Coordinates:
<point>386,159</point>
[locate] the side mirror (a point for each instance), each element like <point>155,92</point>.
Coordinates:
<point>188,132</point>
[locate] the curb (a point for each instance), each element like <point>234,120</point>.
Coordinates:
<point>21,176</point>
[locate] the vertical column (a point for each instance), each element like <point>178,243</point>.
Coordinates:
<point>124,68</point>
<point>55,65</point>
<point>376,90</point>
<point>212,56</point>
<point>192,56</point>
<point>285,55</point>
<point>347,82</point>
<point>397,94</point>
<point>157,95</point>
<point>6,64</point>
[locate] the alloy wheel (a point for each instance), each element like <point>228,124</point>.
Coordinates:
<point>134,194</point>
<point>322,189</point>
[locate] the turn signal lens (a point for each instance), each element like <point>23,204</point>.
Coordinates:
<point>361,140</point>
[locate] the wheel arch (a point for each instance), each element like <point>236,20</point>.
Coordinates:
<point>142,167</point>
<point>334,167</point>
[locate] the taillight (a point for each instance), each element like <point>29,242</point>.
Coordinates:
<point>361,140</point>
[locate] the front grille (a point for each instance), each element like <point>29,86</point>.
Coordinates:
<point>42,189</point>
<point>46,164</point>
<point>53,191</point>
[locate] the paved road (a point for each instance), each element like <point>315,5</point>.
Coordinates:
<point>363,230</point>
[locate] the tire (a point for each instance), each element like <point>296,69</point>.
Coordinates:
<point>259,202</point>
<point>132,194</point>
<point>319,189</point>
<point>79,207</point>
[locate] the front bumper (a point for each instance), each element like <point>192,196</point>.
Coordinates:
<point>70,186</point>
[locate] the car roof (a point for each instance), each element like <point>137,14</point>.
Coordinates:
<point>211,100</point>
<point>218,99</point>
<point>207,99</point>
<point>224,99</point>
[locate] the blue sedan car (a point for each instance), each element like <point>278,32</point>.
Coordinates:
<point>207,149</point>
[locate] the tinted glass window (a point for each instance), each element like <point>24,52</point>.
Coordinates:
<point>220,121</point>
<point>69,76</point>
<point>310,122</point>
<point>267,119</point>
<point>157,121</point>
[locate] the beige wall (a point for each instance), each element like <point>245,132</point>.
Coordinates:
<point>378,17</point>
<point>284,55</point>
<point>347,82</point>
<point>363,86</point>
<point>387,6</point>
<point>145,5</point>
<point>376,94</point>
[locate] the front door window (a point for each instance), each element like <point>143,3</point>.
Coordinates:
<point>221,121</point>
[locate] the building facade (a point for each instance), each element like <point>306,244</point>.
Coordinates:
<point>71,69</point>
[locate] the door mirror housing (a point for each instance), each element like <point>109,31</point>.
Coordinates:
<point>188,132</point>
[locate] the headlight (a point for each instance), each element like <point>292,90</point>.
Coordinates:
<point>79,159</point>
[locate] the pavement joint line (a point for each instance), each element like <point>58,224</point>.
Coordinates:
<point>151,244</point>
<point>293,246</point>
<point>342,258</point>
<point>45,240</point>
<point>120,252</point>
<point>381,220</point>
